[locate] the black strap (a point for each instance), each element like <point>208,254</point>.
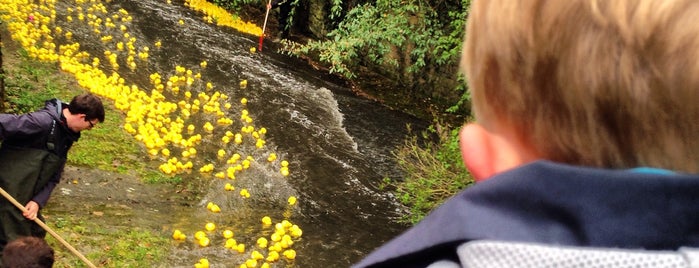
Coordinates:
<point>51,142</point>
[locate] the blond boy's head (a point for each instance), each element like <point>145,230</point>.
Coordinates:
<point>611,84</point>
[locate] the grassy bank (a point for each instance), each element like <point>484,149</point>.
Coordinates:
<point>434,171</point>
<point>28,83</point>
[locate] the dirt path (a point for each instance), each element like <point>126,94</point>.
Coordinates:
<point>118,200</point>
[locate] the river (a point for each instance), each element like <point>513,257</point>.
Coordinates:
<point>339,146</point>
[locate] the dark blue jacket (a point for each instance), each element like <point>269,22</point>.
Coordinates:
<point>546,202</point>
<point>33,130</point>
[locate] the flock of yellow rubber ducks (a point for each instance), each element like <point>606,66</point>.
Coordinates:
<point>159,116</point>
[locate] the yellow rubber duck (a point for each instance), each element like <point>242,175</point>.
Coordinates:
<point>289,254</point>
<point>178,235</point>
<point>215,209</point>
<point>244,193</point>
<point>203,263</point>
<point>250,263</point>
<point>272,256</point>
<point>204,242</point>
<point>256,255</point>
<point>262,242</point>
<point>210,226</point>
<point>227,233</point>
<point>199,235</point>
<point>229,187</point>
<point>231,243</point>
<point>266,220</point>
<point>240,248</point>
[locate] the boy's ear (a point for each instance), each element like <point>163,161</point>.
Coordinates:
<point>476,151</point>
<point>486,153</point>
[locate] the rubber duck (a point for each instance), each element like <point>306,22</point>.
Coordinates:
<point>289,254</point>
<point>240,248</point>
<point>199,235</point>
<point>250,263</point>
<point>272,157</point>
<point>272,256</point>
<point>256,255</point>
<point>295,231</point>
<point>227,233</point>
<point>275,237</point>
<point>210,226</point>
<point>229,187</point>
<point>203,263</point>
<point>204,242</point>
<point>244,193</point>
<point>178,235</point>
<point>266,220</point>
<point>230,243</point>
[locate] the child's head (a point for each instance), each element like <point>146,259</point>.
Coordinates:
<point>28,251</point>
<point>600,83</point>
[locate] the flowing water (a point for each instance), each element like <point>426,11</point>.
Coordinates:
<point>338,145</point>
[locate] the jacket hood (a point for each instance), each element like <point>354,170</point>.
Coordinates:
<point>54,107</point>
<point>546,202</point>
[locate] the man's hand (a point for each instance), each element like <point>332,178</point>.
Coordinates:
<point>32,210</point>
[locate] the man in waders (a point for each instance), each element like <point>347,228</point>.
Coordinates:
<point>282,16</point>
<point>32,156</point>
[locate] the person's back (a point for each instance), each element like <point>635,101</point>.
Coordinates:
<point>585,134</point>
<point>27,252</point>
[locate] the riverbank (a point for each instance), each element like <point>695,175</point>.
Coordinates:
<point>98,203</point>
<point>368,84</point>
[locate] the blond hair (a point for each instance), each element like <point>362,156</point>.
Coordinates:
<point>602,83</point>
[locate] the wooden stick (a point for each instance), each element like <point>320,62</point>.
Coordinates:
<point>47,228</point>
<point>262,37</point>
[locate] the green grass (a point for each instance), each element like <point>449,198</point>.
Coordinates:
<point>434,172</point>
<point>109,247</point>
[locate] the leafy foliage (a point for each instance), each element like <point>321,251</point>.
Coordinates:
<point>370,31</point>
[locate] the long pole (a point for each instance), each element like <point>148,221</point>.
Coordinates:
<point>47,228</point>
<point>262,36</point>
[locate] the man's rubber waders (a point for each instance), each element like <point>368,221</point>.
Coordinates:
<point>23,173</point>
